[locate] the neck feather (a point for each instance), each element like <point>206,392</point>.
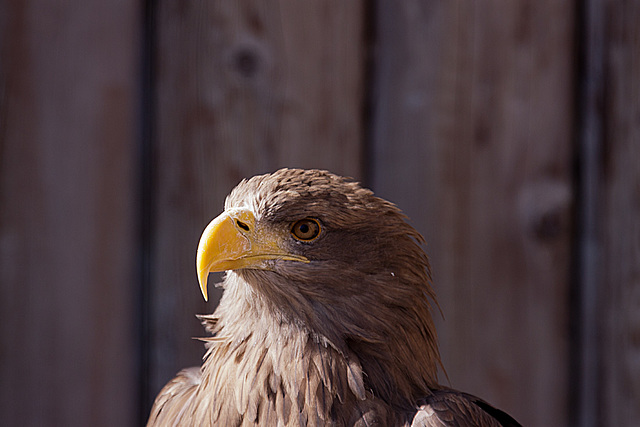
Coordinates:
<point>262,364</point>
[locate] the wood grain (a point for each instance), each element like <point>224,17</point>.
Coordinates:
<point>620,227</point>
<point>67,130</point>
<point>243,88</point>
<point>470,110</point>
<point>473,138</point>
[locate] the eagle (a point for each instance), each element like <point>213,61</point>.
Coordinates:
<point>325,319</point>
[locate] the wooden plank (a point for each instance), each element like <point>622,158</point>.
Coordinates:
<point>473,138</point>
<point>67,189</point>
<point>243,88</point>
<point>588,283</point>
<point>620,278</point>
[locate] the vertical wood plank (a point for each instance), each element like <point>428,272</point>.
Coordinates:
<point>67,326</point>
<point>588,280</point>
<point>244,87</point>
<point>473,139</point>
<point>620,363</point>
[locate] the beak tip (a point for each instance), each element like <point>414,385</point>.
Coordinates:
<point>202,279</point>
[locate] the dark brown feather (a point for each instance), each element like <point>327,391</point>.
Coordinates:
<point>447,407</point>
<point>345,340</point>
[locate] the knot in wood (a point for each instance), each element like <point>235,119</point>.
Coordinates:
<point>548,225</point>
<point>246,62</point>
<point>544,208</point>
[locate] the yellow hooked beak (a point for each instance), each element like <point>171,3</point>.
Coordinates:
<point>233,241</point>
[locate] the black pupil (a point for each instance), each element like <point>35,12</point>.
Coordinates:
<point>306,229</point>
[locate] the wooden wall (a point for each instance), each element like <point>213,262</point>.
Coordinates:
<point>508,131</point>
<point>68,322</point>
<point>473,138</point>
<point>618,227</point>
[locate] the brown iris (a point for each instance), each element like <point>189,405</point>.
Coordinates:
<point>306,229</point>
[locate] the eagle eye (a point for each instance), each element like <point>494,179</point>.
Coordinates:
<point>306,229</point>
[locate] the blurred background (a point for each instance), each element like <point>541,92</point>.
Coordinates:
<point>509,132</point>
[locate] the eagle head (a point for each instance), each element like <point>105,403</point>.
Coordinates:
<point>319,251</point>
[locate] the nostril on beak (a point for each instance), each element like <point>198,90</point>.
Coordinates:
<point>242,225</point>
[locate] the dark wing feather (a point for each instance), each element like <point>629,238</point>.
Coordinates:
<point>171,407</point>
<point>451,408</point>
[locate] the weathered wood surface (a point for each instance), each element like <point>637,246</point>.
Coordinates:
<point>620,227</point>
<point>590,122</point>
<point>465,117</point>
<point>67,188</point>
<point>473,138</point>
<point>243,88</point>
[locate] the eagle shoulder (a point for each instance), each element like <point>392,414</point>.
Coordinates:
<point>449,408</point>
<point>173,400</point>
